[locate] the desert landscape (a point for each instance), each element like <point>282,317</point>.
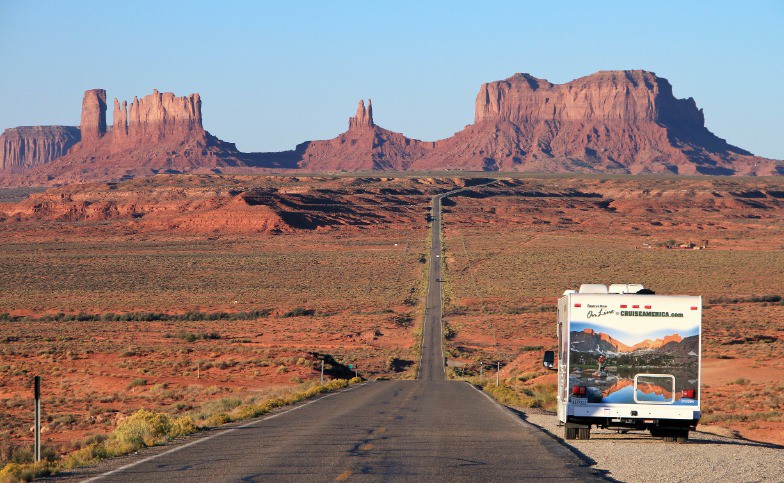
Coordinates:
<point>329,242</point>
<point>189,294</point>
<point>514,246</point>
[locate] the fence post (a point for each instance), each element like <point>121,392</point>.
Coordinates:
<point>37,395</point>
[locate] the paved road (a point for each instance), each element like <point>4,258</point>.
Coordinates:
<point>424,430</point>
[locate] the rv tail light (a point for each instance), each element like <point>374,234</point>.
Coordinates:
<point>694,308</point>
<point>648,307</point>
<point>578,390</point>
<point>688,393</point>
<point>623,306</point>
<point>635,306</point>
<point>578,305</point>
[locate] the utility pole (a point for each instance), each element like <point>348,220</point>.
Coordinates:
<point>481,367</point>
<point>322,372</point>
<point>37,395</point>
<point>498,374</point>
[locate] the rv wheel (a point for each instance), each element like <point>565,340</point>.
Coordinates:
<point>669,439</point>
<point>584,433</point>
<point>570,433</point>
<point>683,437</point>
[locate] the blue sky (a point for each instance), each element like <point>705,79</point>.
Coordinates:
<point>273,74</point>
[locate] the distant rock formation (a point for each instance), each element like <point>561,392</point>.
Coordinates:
<point>157,133</point>
<point>612,121</point>
<point>364,118</point>
<point>29,146</point>
<point>609,96</point>
<point>607,122</point>
<point>154,117</point>
<point>93,126</point>
<point>364,147</point>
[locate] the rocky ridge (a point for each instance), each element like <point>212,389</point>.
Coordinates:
<point>158,133</point>
<point>29,146</point>
<point>610,121</point>
<point>364,147</point>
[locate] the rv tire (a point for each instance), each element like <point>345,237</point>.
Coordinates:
<point>570,433</point>
<point>584,433</point>
<point>683,437</point>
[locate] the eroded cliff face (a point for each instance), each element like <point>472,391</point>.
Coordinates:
<point>93,126</point>
<point>28,146</point>
<point>611,121</point>
<point>607,122</point>
<point>155,117</point>
<point>159,132</point>
<point>635,96</point>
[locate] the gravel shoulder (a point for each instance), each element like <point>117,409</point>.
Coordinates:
<point>636,456</point>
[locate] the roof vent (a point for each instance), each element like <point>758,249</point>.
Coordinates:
<point>593,288</point>
<point>625,288</point>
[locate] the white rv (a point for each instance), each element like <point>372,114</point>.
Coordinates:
<point>628,359</point>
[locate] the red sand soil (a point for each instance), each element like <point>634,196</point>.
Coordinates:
<point>515,246</point>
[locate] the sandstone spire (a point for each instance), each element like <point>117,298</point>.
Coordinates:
<point>364,117</point>
<point>93,124</point>
<point>120,118</point>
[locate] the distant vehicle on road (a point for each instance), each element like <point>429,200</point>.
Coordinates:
<point>628,359</point>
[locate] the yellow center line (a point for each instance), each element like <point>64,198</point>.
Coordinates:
<point>344,475</point>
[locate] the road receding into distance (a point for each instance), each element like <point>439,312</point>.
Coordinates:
<point>430,429</point>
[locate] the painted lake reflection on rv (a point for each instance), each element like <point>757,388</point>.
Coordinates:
<point>663,385</point>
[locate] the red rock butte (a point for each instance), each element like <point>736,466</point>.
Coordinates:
<point>607,122</point>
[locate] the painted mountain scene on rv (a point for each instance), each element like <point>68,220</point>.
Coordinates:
<point>616,368</point>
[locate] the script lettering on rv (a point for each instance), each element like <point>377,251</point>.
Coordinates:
<point>591,314</point>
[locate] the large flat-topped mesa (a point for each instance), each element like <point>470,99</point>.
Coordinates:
<point>25,147</point>
<point>610,122</point>
<point>610,96</point>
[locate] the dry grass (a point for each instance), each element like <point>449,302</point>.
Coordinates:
<point>116,319</point>
<point>513,250</point>
<point>178,276</point>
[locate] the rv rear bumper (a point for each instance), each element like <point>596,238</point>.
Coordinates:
<point>634,411</point>
<point>654,425</point>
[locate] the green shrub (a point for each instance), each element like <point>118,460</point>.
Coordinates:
<point>136,381</point>
<point>142,428</point>
<point>300,312</point>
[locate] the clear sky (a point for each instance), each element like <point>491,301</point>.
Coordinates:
<point>274,74</point>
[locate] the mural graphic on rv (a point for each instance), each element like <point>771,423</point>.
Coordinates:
<point>606,357</point>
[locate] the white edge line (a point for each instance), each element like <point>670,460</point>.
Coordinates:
<point>219,433</point>
<point>503,408</point>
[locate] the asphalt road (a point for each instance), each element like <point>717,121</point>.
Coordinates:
<point>430,429</point>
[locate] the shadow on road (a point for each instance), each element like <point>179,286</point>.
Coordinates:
<point>696,439</point>
<point>590,462</point>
